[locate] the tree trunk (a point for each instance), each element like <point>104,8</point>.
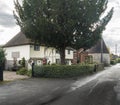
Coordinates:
<point>62,56</point>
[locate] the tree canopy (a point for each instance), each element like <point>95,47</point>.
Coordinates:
<point>63,23</point>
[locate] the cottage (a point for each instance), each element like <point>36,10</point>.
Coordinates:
<point>100,52</point>
<point>20,46</point>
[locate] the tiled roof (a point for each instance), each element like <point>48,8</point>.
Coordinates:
<point>97,48</point>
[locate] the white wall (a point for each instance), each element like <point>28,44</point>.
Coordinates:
<point>44,52</point>
<point>97,58</point>
<point>24,51</point>
<point>49,53</point>
<point>27,51</point>
<point>68,56</point>
<point>36,54</point>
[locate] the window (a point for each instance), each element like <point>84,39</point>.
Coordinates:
<point>68,51</point>
<point>15,54</point>
<point>36,48</point>
<point>57,51</point>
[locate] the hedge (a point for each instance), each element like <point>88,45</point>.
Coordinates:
<point>113,62</point>
<point>62,71</point>
<point>100,67</point>
<point>118,60</point>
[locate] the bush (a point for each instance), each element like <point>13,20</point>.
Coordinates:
<point>29,73</point>
<point>113,62</point>
<point>23,62</point>
<point>55,64</point>
<point>22,71</point>
<point>100,67</point>
<point>63,71</point>
<point>118,60</point>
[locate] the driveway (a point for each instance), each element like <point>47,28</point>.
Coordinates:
<point>11,76</point>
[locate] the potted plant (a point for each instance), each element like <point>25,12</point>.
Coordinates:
<point>2,60</point>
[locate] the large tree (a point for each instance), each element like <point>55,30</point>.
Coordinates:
<point>63,23</point>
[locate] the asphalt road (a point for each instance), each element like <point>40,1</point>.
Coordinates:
<point>101,88</point>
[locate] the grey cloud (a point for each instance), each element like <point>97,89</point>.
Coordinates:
<point>7,20</point>
<point>1,30</point>
<point>111,44</point>
<point>3,6</point>
<point>111,1</point>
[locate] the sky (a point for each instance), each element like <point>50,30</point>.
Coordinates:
<point>8,27</point>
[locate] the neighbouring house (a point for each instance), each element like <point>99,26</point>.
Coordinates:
<point>79,56</point>
<point>98,53</point>
<point>20,46</point>
<point>113,56</point>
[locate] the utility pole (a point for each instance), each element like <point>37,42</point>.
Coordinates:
<point>116,49</point>
<point>101,50</point>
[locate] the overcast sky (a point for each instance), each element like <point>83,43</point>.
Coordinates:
<point>9,29</point>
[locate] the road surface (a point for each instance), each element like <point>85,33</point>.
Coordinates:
<point>101,88</point>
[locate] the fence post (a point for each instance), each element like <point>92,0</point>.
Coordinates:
<point>1,73</point>
<point>32,69</point>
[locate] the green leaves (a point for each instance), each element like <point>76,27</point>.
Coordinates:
<point>63,23</point>
<point>71,22</point>
<point>63,71</point>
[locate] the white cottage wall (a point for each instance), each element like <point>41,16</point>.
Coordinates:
<point>97,58</point>
<point>23,50</point>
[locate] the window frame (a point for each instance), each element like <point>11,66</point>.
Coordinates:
<point>36,48</point>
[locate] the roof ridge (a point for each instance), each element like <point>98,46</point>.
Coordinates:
<point>18,39</point>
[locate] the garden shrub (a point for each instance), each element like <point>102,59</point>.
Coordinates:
<point>100,67</point>
<point>118,60</point>
<point>63,71</point>
<point>22,62</point>
<point>22,71</point>
<point>29,73</point>
<point>113,62</point>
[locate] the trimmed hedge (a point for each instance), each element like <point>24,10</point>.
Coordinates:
<point>100,67</point>
<point>62,71</point>
<point>113,62</point>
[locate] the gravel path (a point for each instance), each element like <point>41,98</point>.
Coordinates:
<point>10,76</point>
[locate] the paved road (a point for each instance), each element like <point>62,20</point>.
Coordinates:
<point>102,88</point>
